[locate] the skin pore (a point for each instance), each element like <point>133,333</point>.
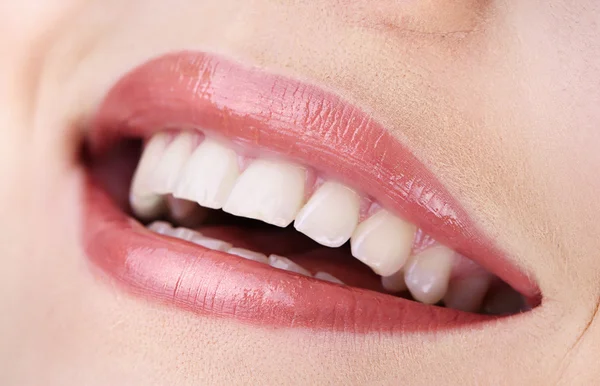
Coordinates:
<point>498,98</point>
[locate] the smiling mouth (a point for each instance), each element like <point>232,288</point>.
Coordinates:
<point>347,229</point>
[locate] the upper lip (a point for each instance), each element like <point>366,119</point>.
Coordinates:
<point>304,123</point>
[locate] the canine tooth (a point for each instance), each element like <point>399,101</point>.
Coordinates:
<point>383,242</point>
<point>160,227</point>
<point>286,264</point>
<point>467,293</point>
<point>250,255</point>
<point>210,243</point>
<point>270,191</point>
<point>327,277</point>
<point>185,234</point>
<point>394,283</point>
<point>186,213</point>
<point>144,202</point>
<point>427,274</point>
<point>330,215</point>
<point>209,175</point>
<point>170,165</point>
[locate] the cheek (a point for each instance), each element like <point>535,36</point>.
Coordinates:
<point>561,111</point>
<point>547,121</point>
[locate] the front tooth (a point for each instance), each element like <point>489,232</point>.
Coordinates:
<point>171,164</point>
<point>144,202</point>
<point>394,283</point>
<point>383,242</point>
<point>209,175</point>
<point>248,254</point>
<point>327,277</point>
<point>284,263</point>
<point>331,214</point>
<point>427,274</point>
<point>269,191</point>
<point>186,213</point>
<point>210,243</point>
<point>467,293</point>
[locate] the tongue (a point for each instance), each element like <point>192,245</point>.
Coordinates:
<point>301,250</point>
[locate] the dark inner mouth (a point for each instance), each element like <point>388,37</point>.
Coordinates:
<point>113,171</point>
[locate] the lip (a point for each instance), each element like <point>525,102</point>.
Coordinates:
<point>302,122</point>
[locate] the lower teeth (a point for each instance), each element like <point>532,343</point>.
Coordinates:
<point>507,302</point>
<point>275,261</point>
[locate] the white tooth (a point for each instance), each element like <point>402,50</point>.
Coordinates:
<point>331,214</point>
<point>160,227</point>
<point>467,293</point>
<point>185,234</point>
<point>383,242</point>
<point>169,167</point>
<point>210,243</point>
<point>270,191</point>
<point>427,274</point>
<point>209,175</point>
<point>186,213</point>
<point>327,277</point>
<point>284,263</point>
<point>394,283</point>
<point>146,203</point>
<point>250,255</point>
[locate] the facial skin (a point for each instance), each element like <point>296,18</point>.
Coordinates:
<point>500,99</point>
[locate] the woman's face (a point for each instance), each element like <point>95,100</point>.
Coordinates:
<point>498,100</point>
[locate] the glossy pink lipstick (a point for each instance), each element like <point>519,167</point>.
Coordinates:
<point>301,122</point>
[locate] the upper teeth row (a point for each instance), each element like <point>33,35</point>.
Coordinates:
<point>275,192</point>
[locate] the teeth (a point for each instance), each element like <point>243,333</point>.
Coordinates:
<point>171,164</point>
<point>161,227</point>
<point>286,264</point>
<point>331,215</point>
<point>209,175</point>
<point>184,234</point>
<point>467,293</point>
<point>187,179</point>
<point>250,255</point>
<point>190,235</point>
<point>383,242</point>
<point>164,228</point>
<point>428,273</point>
<point>269,191</point>
<point>186,213</point>
<point>394,283</point>
<point>327,277</point>
<point>144,202</point>
<point>210,243</point>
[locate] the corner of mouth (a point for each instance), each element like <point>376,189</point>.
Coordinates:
<point>269,123</point>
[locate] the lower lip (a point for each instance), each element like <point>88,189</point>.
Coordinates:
<point>217,284</point>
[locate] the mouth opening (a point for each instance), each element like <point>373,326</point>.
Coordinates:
<point>132,172</point>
